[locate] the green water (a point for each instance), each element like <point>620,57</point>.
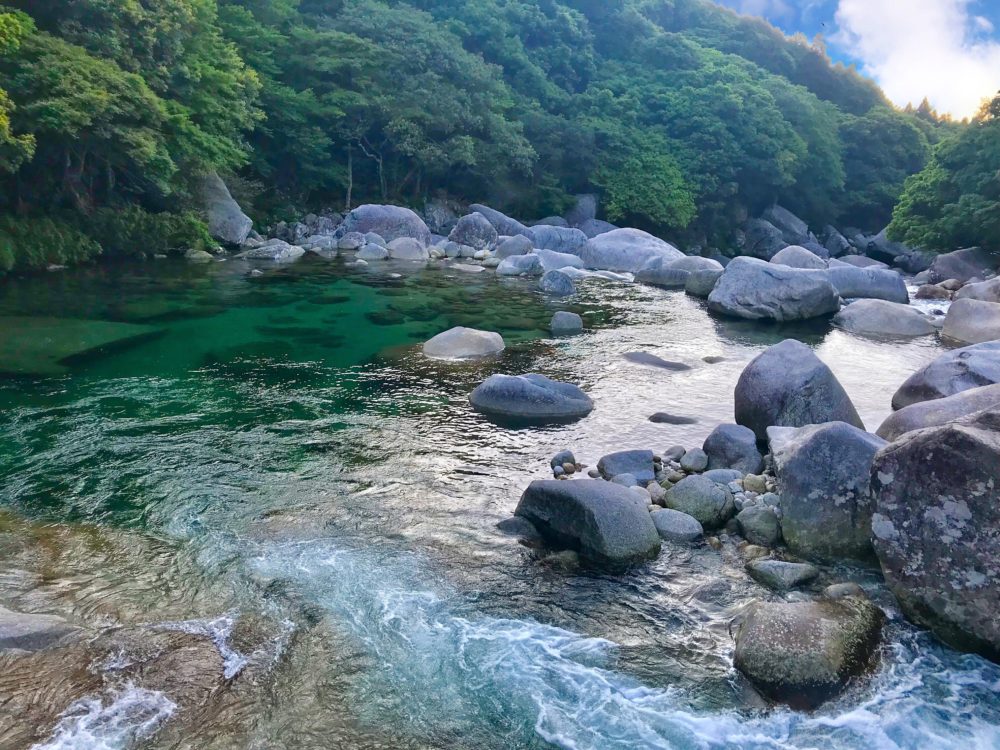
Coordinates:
<point>281,469</point>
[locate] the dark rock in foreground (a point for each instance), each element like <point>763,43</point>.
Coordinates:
<point>638,463</point>
<point>606,523</point>
<point>824,477</point>
<point>788,386</point>
<point>530,397</point>
<point>937,529</point>
<point>804,653</point>
<point>951,373</point>
<point>733,446</point>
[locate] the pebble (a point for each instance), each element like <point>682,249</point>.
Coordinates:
<point>558,471</point>
<point>594,474</point>
<point>569,467</point>
<point>844,591</point>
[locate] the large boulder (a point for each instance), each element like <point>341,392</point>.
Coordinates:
<point>388,222</point>
<point>557,284</point>
<point>973,262</point>
<point>559,239</point>
<point>940,411</point>
<point>28,632</point>
<point>951,373</point>
<point>531,398</point>
<point>440,216</point>
<point>762,239</point>
<point>550,221</point>
<point>711,503</point>
<point>757,290</point>
<point>474,231</point>
<point>937,529</point>
<point>836,244</point>
<point>520,265</point>
<point>626,250</point>
<point>594,227</point>
<point>407,248</point>
<point>695,263</point>
<point>504,225</point>
<point>796,256</point>
<point>660,272</point>
<point>792,228</point>
<point>881,248</point>
<point>984,291</point>
<point>732,446</point>
<point>877,317</point>
<point>972,321</point>
<point>585,210</point>
<point>606,523</point>
<point>789,386</point>
<point>857,261</point>
<point>226,221</point>
<point>553,261</point>
<point>824,474</point>
<point>804,653</point>
<point>516,245</point>
<point>869,283</point>
<point>464,343</point>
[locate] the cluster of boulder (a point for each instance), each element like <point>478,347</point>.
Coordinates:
<point>798,484</point>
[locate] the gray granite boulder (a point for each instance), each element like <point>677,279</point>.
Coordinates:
<point>558,239</point>
<point>732,446</point>
<point>937,529</point>
<point>389,222</point>
<point>939,411</point>
<point>464,343</point>
<point>759,525</point>
<point>28,632</point>
<point>516,245</point>
<point>553,261</point>
<point>878,317</point>
<point>984,291</point>
<point>789,386</point>
<point>804,653</point>
<point>972,321</point>
<point>793,229</point>
<point>858,261</point>
<point>407,248</point>
<point>796,256</point>
<point>475,231</point>
<point>626,250</point>
<point>595,227</point>
<point>951,373</point>
<point>520,265</point>
<point>701,283</point>
<point>226,221</point>
<point>530,398</point>
<point>869,283</point>
<point>660,272</point>
<point>638,463</point>
<point>824,476</point>
<point>674,526</point>
<point>756,290</point>
<point>780,575</point>
<point>606,523</point>
<point>973,262</point>
<point>275,250</point>
<point>504,225</point>
<point>565,324</point>
<point>585,210</point>
<point>709,502</point>
<point>557,284</point>
<point>762,239</point>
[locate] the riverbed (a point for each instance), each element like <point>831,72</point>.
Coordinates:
<point>277,467</point>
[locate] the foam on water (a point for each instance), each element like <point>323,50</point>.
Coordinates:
<point>441,672</point>
<point>219,630</point>
<point>114,722</point>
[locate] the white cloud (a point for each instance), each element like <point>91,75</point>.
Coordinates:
<point>775,10</point>
<point>918,48</point>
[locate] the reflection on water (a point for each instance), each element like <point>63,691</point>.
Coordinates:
<point>281,477</point>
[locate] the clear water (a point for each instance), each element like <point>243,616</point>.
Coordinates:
<point>282,473</point>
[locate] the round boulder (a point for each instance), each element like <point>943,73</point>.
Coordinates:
<point>464,343</point>
<point>756,290</point>
<point>796,256</point>
<point>707,501</point>
<point>389,222</point>
<point>566,324</point>
<point>674,526</point>
<point>876,317</point>
<point>474,231</point>
<point>557,284</point>
<point>972,321</point>
<point>733,446</point>
<point>531,398</point>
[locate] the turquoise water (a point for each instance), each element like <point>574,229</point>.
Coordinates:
<point>280,470</point>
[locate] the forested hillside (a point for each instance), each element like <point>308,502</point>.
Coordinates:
<point>686,117</point>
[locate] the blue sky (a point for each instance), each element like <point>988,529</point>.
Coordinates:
<point>946,50</point>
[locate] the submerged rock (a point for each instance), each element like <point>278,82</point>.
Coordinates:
<point>530,397</point>
<point>29,632</point>
<point>824,476</point>
<point>606,523</point>
<point>937,529</point>
<point>566,323</point>
<point>520,265</point>
<point>756,290</point>
<point>464,343</point>
<point>651,360</point>
<point>407,248</point>
<point>780,575</point>
<point>733,446</point>
<point>557,284</point>
<point>951,373</point>
<point>972,321</point>
<point>278,251</point>
<point>789,386</point>
<point>939,411</point>
<point>804,653</point>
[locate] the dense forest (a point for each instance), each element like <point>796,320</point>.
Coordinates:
<point>684,116</point>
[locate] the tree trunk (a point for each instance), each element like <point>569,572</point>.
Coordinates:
<point>350,178</point>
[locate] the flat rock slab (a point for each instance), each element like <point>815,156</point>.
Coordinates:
<point>47,346</point>
<point>651,360</point>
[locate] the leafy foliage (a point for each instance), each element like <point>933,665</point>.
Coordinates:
<point>955,201</point>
